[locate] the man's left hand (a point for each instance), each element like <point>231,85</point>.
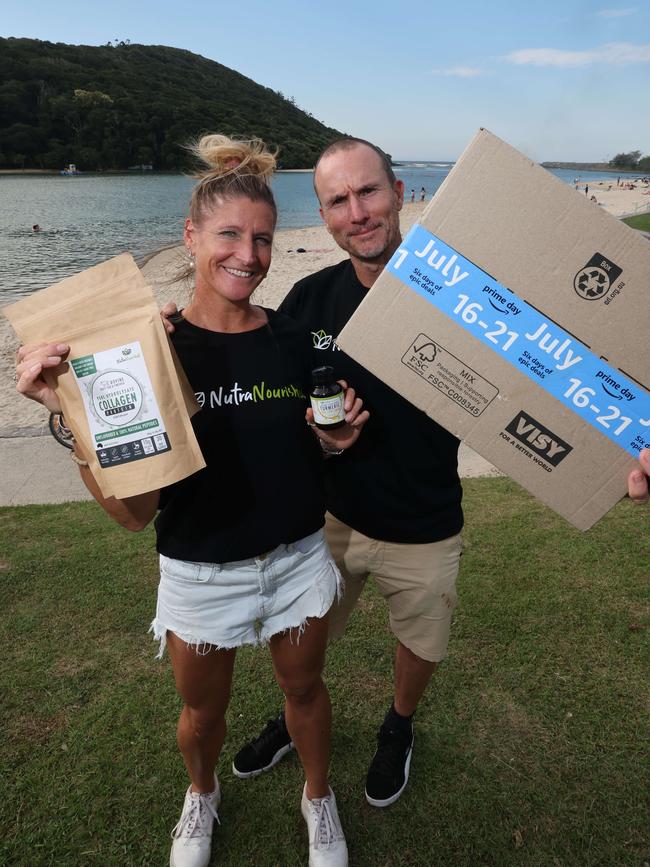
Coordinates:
<point>637,481</point>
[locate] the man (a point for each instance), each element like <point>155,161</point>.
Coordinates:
<point>395,498</point>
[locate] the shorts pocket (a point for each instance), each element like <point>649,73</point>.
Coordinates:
<point>308,545</point>
<point>185,571</point>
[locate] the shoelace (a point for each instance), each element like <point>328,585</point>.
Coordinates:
<point>392,747</point>
<point>327,828</point>
<point>194,820</point>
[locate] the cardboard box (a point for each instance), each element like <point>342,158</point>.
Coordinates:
<point>516,315</point>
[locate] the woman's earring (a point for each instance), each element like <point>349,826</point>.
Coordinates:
<point>191,256</point>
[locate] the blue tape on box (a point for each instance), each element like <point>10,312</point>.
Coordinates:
<point>536,346</point>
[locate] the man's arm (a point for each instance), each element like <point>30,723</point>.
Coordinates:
<point>291,303</point>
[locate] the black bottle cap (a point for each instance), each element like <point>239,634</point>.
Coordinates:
<point>322,375</point>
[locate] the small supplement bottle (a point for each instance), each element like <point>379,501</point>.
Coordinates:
<point>327,399</point>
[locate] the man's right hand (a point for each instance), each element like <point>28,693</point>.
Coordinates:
<point>31,361</point>
<point>170,309</point>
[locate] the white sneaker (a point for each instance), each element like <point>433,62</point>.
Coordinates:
<point>192,835</point>
<point>327,846</point>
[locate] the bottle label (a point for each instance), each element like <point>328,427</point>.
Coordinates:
<point>328,410</point>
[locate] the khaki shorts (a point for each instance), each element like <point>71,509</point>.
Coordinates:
<point>417,581</point>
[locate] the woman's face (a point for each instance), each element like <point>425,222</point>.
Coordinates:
<point>232,245</point>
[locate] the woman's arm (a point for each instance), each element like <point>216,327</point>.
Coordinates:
<point>133,513</point>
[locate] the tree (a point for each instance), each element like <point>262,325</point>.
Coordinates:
<point>118,104</point>
<point>626,161</point>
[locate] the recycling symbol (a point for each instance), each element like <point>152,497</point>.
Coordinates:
<point>591,283</point>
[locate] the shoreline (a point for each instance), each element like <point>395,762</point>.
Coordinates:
<point>21,417</point>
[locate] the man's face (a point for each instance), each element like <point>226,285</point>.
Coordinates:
<point>359,204</point>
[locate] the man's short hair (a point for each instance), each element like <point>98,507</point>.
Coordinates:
<point>347,143</point>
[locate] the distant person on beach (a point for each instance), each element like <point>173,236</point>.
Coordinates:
<point>423,194</point>
<point>412,195</point>
<point>36,228</point>
<point>394,500</point>
<point>242,552</point>
<point>586,189</point>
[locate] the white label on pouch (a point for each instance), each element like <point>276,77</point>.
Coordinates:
<point>121,407</point>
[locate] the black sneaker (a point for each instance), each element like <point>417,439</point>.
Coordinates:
<point>264,751</point>
<point>389,770</point>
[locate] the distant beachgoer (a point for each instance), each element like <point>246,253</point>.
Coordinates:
<point>618,182</point>
<point>423,194</point>
<point>593,199</point>
<point>412,195</point>
<point>586,189</point>
<point>36,228</point>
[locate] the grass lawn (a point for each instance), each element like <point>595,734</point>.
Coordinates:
<point>531,745</point>
<point>642,221</point>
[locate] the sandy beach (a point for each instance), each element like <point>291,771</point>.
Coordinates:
<point>20,417</point>
<point>619,201</point>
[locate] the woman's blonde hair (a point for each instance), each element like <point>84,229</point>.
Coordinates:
<point>230,168</point>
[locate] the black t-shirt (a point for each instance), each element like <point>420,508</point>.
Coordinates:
<point>262,485</point>
<point>399,482</point>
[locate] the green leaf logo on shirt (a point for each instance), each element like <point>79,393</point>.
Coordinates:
<point>321,340</point>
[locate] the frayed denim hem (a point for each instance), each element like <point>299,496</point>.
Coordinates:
<point>202,647</point>
<point>321,595</point>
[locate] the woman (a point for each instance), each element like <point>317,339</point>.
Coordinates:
<point>242,554</point>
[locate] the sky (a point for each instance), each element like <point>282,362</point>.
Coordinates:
<point>558,80</point>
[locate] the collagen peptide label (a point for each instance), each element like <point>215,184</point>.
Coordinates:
<point>121,407</point>
<point>328,410</point>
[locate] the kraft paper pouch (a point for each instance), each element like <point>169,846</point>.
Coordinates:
<point>123,391</point>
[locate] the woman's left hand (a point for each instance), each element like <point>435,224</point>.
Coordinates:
<point>355,418</point>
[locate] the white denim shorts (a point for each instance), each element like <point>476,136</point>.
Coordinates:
<point>227,605</point>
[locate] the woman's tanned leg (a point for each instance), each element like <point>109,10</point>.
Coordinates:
<point>298,662</point>
<point>203,681</point>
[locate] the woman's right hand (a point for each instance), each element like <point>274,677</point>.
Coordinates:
<point>31,361</point>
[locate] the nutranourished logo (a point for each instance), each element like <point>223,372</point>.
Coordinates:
<point>597,277</point>
<point>540,439</point>
<point>322,340</point>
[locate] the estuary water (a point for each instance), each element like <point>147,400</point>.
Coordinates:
<point>88,218</point>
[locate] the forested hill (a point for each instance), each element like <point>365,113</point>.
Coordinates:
<point>122,105</point>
